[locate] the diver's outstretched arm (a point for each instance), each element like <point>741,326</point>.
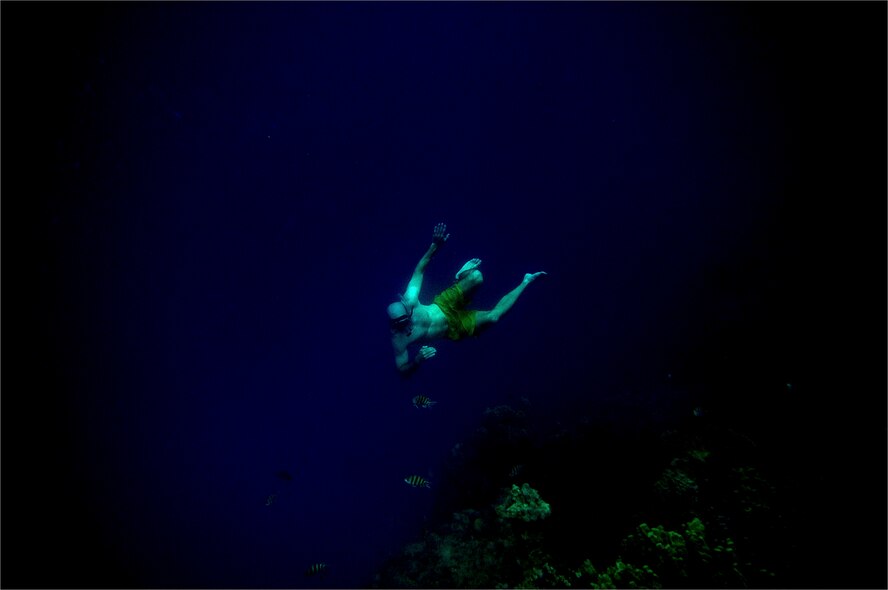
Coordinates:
<point>439,236</point>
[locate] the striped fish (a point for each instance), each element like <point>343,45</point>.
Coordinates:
<point>421,401</point>
<point>417,481</point>
<point>317,568</point>
<point>516,470</point>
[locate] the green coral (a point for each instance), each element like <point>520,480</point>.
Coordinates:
<point>474,550</point>
<point>752,491</point>
<point>695,533</point>
<point>699,455</point>
<point>674,483</point>
<point>655,557</point>
<point>666,550</point>
<point>543,576</point>
<point>523,503</point>
<point>619,575</point>
<point>686,556</point>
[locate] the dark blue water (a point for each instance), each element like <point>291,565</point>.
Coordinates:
<point>208,206</point>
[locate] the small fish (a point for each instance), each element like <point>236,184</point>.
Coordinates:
<point>516,470</point>
<point>417,481</point>
<point>698,412</point>
<point>270,500</point>
<point>421,401</point>
<point>284,475</point>
<point>317,568</point>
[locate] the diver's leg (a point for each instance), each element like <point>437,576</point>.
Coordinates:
<point>485,318</point>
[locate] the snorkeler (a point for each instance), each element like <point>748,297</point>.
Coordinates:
<point>411,321</point>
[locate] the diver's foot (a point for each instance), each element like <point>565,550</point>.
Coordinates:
<point>531,277</point>
<point>468,266</point>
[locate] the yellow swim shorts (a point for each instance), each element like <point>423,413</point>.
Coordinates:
<point>460,321</point>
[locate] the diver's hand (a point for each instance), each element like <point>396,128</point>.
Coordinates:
<point>425,353</point>
<point>439,234</point>
<point>531,277</point>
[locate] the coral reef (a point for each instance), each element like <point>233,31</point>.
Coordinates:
<point>619,575</point>
<point>472,551</point>
<point>676,483</point>
<point>523,503</point>
<point>689,513</point>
